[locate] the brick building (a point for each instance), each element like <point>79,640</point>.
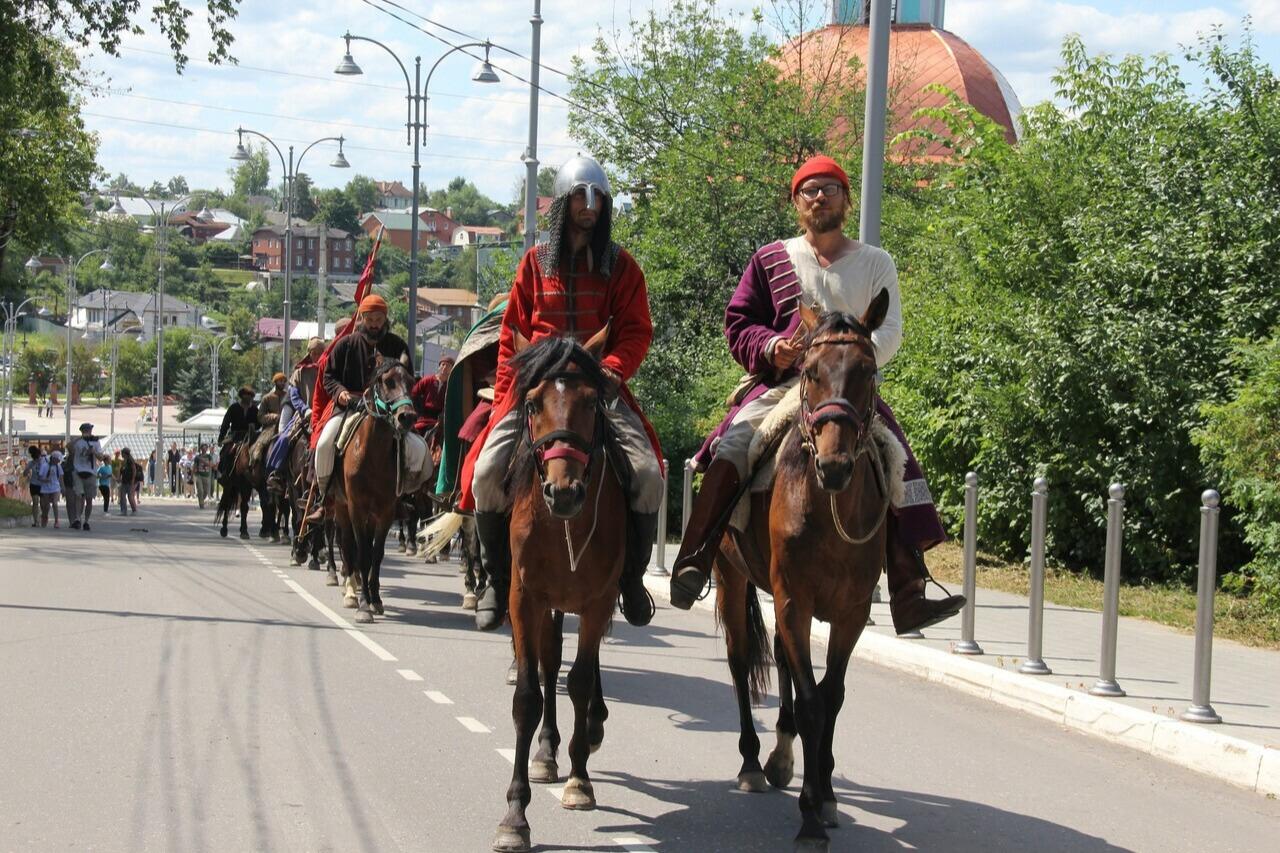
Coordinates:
<point>269,248</point>
<point>436,228</point>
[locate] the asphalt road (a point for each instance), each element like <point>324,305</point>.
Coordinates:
<point>167,690</point>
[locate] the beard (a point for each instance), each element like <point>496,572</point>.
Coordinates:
<point>373,335</point>
<point>824,220</point>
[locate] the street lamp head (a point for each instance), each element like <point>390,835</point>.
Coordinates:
<point>43,312</point>
<point>192,346</point>
<point>235,347</point>
<point>484,71</point>
<point>347,67</point>
<point>107,266</point>
<point>32,264</point>
<point>340,162</point>
<point>241,153</point>
<point>117,209</point>
<point>205,213</point>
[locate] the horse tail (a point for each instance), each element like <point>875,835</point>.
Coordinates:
<point>759,657</point>
<point>225,503</point>
<point>440,532</point>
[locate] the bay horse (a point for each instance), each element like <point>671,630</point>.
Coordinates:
<point>564,489</point>
<point>817,543</point>
<point>308,545</point>
<point>366,480</point>
<point>238,487</point>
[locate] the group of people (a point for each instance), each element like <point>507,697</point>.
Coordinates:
<point>79,475</point>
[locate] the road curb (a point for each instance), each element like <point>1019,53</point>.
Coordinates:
<point>1196,747</point>
<point>8,523</point>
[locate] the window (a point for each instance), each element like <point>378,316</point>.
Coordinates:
<point>311,262</point>
<point>311,242</point>
<point>348,247</point>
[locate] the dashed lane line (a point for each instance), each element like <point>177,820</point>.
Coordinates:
<point>471,724</point>
<point>437,697</point>
<point>409,675</point>
<point>378,651</point>
<point>632,845</point>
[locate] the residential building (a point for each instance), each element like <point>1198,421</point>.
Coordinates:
<point>269,248</point>
<point>271,331</point>
<point>224,226</point>
<point>51,264</point>
<point>129,312</point>
<point>393,195</point>
<point>435,228</point>
<point>462,306</point>
<point>468,235</point>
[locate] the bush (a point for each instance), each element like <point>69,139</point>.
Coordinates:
<point>1240,442</point>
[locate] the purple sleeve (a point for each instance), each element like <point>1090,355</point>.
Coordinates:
<point>295,400</point>
<point>748,320</point>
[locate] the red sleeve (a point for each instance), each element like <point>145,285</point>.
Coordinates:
<point>518,316</point>
<point>631,331</point>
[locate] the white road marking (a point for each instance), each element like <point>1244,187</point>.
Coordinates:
<point>474,725</point>
<point>359,637</point>
<point>409,675</point>
<point>509,754</point>
<point>437,697</point>
<point>633,845</point>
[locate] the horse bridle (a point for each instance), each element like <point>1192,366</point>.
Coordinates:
<point>840,409</point>
<point>563,443</point>
<point>379,408</point>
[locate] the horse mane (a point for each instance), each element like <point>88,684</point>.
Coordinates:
<point>548,357</point>
<point>837,322</point>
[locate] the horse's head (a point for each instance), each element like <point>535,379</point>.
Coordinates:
<point>561,385</point>
<point>838,389</point>
<point>390,389</point>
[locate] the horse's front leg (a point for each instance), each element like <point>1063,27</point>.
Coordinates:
<point>544,767</point>
<point>245,495</point>
<point>527,625</point>
<point>794,622</point>
<point>375,569</point>
<point>839,650</point>
<point>364,538</point>
<point>350,549</point>
<point>330,533</point>
<point>578,793</point>
<point>781,766</point>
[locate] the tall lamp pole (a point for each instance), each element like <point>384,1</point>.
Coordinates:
<point>11,316</point>
<point>530,155</point>
<point>415,129</point>
<point>215,350</point>
<point>71,298</point>
<point>339,162</point>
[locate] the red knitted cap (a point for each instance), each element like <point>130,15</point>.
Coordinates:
<point>819,164</point>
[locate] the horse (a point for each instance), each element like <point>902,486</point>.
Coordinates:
<point>237,488</point>
<point>564,488</point>
<point>297,474</point>
<point>366,481</point>
<point>817,543</point>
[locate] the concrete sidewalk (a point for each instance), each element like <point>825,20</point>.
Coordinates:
<point>1153,665</point>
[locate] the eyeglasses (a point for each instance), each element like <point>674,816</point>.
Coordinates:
<point>811,193</point>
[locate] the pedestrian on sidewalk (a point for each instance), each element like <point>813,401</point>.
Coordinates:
<point>172,458</point>
<point>50,487</point>
<point>151,473</point>
<point>130,476</point>
<point>202,470</point>
<point>105,475</point>
<point>86,454</point>
<point>31,473</point>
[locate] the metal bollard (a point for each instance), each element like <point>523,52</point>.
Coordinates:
<point>967,645</point>
<point>1034,664</point>
<point>1200,710</point>
<point>1106,685</point>
<point>686,503</point>
<point>660,568</point>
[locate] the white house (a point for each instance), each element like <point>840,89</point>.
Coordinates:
<point>467,235</point>
<point>129,312</point>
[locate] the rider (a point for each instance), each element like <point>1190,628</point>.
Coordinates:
<point>237,425</point>
<point>833,273</point>
<point>350,368</point>
<point>299,391</point>
<point>573,285</point>
<point>428,396</point>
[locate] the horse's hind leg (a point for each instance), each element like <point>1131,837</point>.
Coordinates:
<point>839,649</point>
<point>361,569</point>
<point>244,513</point>
<point>330,533</point>
<point>578,793</point>
<point>597,713</point>
<point>527,620</point>
<point>740,642</point>
<point>544,768</point>
<point>780,768</point>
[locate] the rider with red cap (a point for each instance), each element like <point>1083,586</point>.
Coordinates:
<point>830,272</point>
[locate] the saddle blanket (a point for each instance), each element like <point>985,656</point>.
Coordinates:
<point>416,466</point>
<point>763,456</point>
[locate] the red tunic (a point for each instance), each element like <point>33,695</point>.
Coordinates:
<point>428,398</point>
<point>542,306</point>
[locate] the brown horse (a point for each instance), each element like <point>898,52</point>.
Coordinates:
<point>364,486</point>
<point>238,487</point>
<point>820,554</point>
<point>563,490</point>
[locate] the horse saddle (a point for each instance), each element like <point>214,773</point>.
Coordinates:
<point>762,457</point>
<point>350,423</point>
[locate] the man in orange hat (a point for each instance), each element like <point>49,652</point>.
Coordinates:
<point>347,374</point>
<point>830,272</point>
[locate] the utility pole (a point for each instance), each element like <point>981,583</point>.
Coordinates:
<point>874,124</point>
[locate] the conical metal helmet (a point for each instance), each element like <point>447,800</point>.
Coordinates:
<point>582,171</point>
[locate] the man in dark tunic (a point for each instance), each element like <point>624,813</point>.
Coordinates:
<point>347,374</point>
<point>237,425</point>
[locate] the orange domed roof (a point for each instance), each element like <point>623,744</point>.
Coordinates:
<point>919,55</point>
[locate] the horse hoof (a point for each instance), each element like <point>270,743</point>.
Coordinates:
<point>223,533</point>
<point>262,534</point>
<point>244,535</point>
<point>332,580</point>
<point>813,845</point>
<point>829,814</point>
<point>512,673</point>
<point>402,548</point>
<point>578,795</point>
<point>753,782</point>
<point>779,771</point>
<point>469,601</point>
<point>411,551</point>
<point>363,617</point>
<point>376,607</point>
<point>350,602</point>
<point>512,840</point>
<point>541,770</point>
<point>314,565</point>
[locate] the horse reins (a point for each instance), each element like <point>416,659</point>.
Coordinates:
<point>840,409</point>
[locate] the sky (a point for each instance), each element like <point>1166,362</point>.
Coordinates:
<point>153,123</point>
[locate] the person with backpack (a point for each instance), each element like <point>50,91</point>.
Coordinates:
<point>50,476</point>
<point>130,479</point>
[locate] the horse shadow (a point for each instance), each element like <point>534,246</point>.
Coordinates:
<point>712,817</point>
<point>694,703</point>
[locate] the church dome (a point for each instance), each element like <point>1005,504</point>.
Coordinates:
<point>920,54</point>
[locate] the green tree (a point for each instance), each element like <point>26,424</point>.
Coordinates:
<point>192,386</point>
<point>335,209</point>
<point>469,205</point>
<point>177,186</point>
<point>304,202</point>
<point>252,176</point>
<point>362,193</point>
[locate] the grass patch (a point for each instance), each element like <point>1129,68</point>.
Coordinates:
<point>1241,619</point>
<point>236,277</point>
<point>11,508</point>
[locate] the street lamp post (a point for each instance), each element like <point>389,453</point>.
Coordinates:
<point>415,127</point>
<point>290,174</point>
<point>215,350</point>
<point>10,350</point>
<point>71,298</point>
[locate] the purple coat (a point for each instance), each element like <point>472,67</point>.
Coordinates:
<point>765,305</point>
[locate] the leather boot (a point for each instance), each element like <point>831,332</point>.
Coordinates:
<point>316,516</point>
<point>635,601</point>
<point>494,530</point>
<point>701,541</point>
<point>907,576</point>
